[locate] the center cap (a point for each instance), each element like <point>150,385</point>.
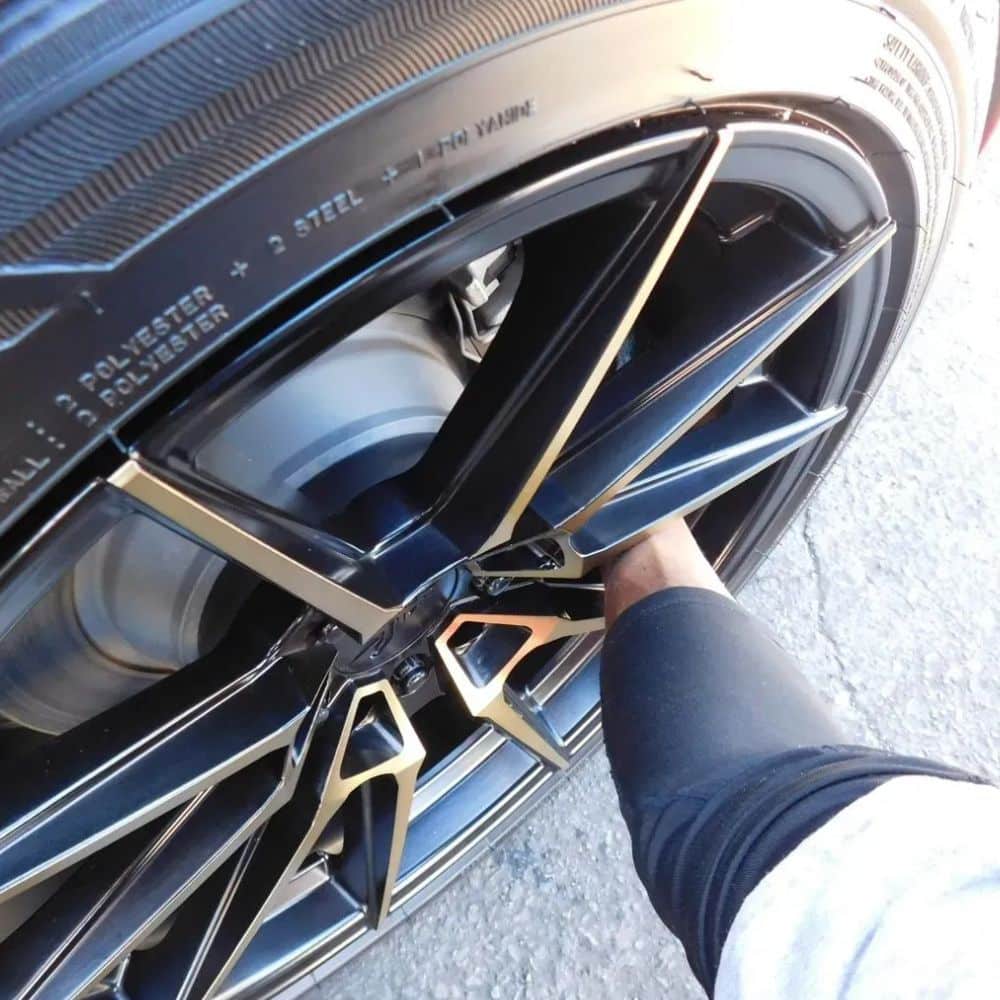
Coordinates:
<point>408,632</point>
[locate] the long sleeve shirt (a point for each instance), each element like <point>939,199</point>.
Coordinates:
<point>789,864</point>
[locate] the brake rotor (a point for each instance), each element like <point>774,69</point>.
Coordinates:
<point>145,601</point>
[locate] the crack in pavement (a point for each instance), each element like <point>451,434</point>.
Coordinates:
<point>824,630</point>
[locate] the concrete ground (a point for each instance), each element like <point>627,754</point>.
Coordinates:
<point>887,589</point>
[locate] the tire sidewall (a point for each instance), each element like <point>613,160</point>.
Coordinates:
<point>125,331</point>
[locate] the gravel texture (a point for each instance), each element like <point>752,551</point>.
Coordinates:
<point>888,591</point>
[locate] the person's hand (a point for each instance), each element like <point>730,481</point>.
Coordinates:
<point>669,557</point>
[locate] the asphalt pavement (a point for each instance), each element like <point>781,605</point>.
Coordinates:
<point>888,591</point>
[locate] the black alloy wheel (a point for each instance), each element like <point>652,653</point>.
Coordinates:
<point>311,625</point>
<point>283,763</point>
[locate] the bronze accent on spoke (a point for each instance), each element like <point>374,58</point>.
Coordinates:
<point>692,199</point>
<point>229,539</point>
<point>365,736</point>
<point>493,701</point>
<point>370,737</point>
<point>402,762</point>
<point>592,513</point>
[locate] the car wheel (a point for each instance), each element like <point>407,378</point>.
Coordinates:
<point>340,344</point>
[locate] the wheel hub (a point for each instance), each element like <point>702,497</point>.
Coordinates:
<point>408,634</point>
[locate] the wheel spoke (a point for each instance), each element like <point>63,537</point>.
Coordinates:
<point>115,900</point>
<point>155,751</point>
<point>367,736</point>
<point>654,401</point>
<point>762,426</point>
<point>562,334</point>
<point>556,349</point>
<point>481,667</point>
<point>168,971</point>
<point>302,561</point>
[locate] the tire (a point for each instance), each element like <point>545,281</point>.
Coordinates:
<point>102,193</point>
<point>234,160</point>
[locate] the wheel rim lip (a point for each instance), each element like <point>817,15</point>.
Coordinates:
<point>412,882</point>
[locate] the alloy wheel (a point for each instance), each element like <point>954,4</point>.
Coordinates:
<point>375,638</point>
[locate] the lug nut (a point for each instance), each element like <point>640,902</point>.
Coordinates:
<point>491,585</point>
<point>411,673</point>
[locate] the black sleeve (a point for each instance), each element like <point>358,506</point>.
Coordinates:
<point>723,757</point>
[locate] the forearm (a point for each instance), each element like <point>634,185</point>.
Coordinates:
<point>724,759</point>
